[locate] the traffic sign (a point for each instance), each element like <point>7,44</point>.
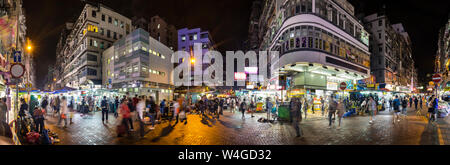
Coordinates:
<point>436,78</point>
<point>343,85</point>
<point>17,70</point>
<point>17,56</point>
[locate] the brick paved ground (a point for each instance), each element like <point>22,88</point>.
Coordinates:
<point>230,129</point>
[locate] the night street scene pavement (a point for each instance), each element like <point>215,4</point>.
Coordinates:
<point>227,73</point>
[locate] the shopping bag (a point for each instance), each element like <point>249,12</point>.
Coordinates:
<point>63,116</point>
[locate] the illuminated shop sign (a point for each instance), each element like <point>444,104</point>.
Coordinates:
<point>91,28</point>
<point>240,76</point>
<point>332,86</point>
<point>365,37</point>
<point>251,70</point>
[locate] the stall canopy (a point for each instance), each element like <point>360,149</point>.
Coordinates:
<point>64,90</point>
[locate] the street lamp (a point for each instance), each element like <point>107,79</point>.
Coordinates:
<point>192,63</point>
<point>29,48</point>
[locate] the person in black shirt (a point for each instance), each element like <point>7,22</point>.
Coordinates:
<point>221,106</point>
<point>104,105</point>
<point>116,107</point>
<point>23,108</point>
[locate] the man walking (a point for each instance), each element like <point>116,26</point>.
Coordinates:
<point>243,107</point>
<point>305,107</point>
<point>331,110</point>
<point>322,104</point>
<point>296,115</point>
<point>396,115</point>
<point>269,107</point>
<point>416,101</point>
<point>104,105</point>
<point>405,106</point>
<point>420,102</point>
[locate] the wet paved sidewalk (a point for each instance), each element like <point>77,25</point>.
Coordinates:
<point>231,129</point>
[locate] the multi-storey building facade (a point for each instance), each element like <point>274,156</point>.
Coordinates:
<point>58,67</point>
<point>442,61</point>
<point>321,43</point>
<point>139,64</point>
<point>187,38</point>
<point>392,61</point>
<point>253,39</point>
<point>13,38</point>
<point>96,29</point>
<point>163,32</point>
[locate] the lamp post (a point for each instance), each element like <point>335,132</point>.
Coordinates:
<point>29,48</point>
<point>192,64</point>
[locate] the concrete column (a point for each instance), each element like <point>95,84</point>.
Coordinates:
<point>314,6</point>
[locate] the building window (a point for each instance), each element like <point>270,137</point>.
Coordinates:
<point>90,42</point>
<point>191,38</point>
<point>109,19</point>
<point>204,35</point>
<point>380,22</point>
<point>102,31</point>
<point>91,72</point>
<point>91,57</point>
<point>183,38</point>
<point>115,35</point>
<point>108,33</point>
<point>195,36</point>
<point>120,36</point>
<point>159,25</point>
<point>121,24</point>
<point>94,13</point>
<point>95,43</point>
<point>379,35</point>
<point>103,17</point>
<point>102,45</point>
<point>116,22</point>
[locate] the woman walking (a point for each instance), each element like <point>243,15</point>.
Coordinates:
<point>124,117</point>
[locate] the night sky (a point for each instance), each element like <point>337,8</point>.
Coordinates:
<point>227,21</point>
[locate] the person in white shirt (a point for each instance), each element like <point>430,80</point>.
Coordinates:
<point>63,111</point>
<point>140,108</point>
<point>176,109</point>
